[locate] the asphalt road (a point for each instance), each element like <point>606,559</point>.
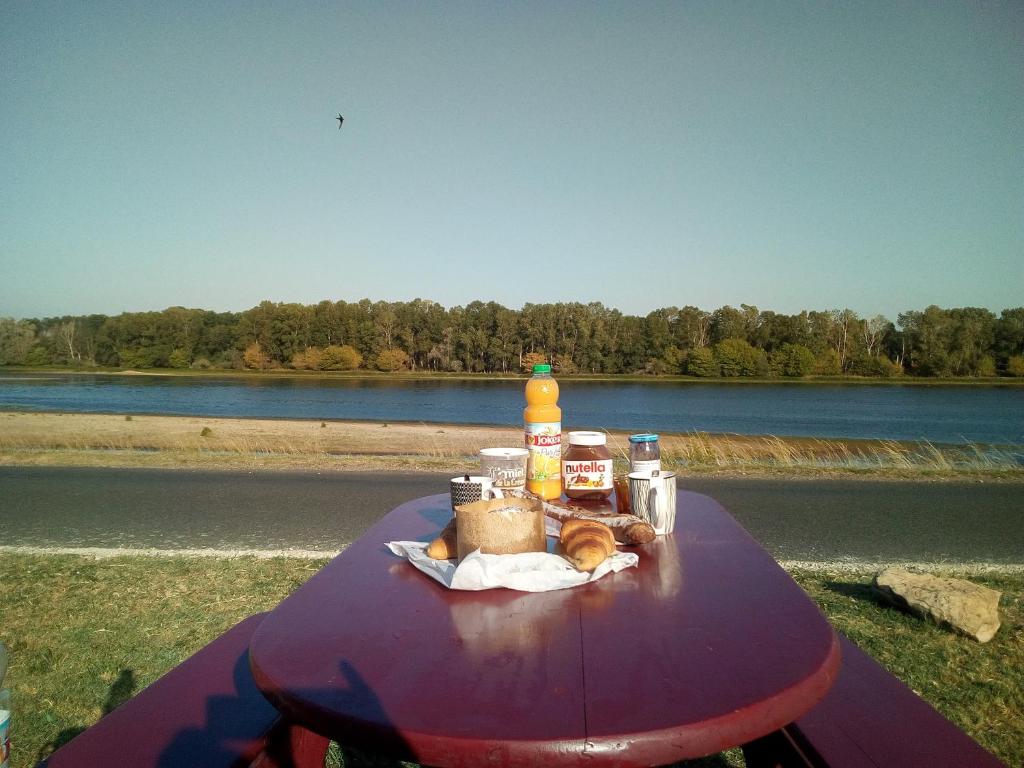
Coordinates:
<point>794,519</point>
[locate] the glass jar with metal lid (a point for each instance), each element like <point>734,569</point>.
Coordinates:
<point>644,453</point>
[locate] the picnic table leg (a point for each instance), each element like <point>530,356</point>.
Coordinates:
<point>777,750</point>
<point>289,745</point>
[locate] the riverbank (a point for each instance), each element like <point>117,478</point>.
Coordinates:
<point>109,440</point>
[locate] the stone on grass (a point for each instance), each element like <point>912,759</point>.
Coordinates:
<point>968,608</point>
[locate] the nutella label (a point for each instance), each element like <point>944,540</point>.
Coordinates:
<point>544,441</point>
<point>587,475</point>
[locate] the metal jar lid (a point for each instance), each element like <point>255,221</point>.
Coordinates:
<point>644,438</point>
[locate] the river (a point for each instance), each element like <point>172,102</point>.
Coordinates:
<point>941,414</point>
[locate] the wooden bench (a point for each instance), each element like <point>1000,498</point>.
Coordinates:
<point>869,719</point>
<point>204,713</point>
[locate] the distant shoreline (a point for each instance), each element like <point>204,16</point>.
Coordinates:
<point>285,373</point>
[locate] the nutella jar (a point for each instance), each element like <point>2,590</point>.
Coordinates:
<point>587,467</point>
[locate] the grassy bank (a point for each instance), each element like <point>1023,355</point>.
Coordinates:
<point>124,621</point>
<point>54,439</point>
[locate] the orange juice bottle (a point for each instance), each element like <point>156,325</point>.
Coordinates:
<point>543,420</point>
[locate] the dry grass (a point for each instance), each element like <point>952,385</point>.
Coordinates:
<point>700,450</point>
<point>186,441</point>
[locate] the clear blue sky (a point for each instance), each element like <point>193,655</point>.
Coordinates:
<point>794,155</point>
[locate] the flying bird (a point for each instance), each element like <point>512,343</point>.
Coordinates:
<point>340,120</point>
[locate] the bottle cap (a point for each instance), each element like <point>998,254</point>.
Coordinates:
<point>587,438</point>
<point>542,368</point>
<point>644,438</point>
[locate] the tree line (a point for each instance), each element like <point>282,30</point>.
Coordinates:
<point>422,335</point>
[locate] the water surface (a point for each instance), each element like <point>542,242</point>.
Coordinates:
<point>946,414</point>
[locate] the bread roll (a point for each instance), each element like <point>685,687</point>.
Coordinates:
<point>500,527</point>
<point>444,547</point>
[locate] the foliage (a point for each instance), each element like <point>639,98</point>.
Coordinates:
<point>792,360</point>
<point>16,340</point>
<point>487,337</point>
<point>178,359</point>
<point>531,359</point>
<point>986,366</point>
<point>701,362</point>
<point>1015,365</point>
<point>307,360</point>
<point>393,359</point>
<point>828,363</point>
<point>255,357</point>
<point>564,364</point>
<point>736,357</point>
<point>343,358</point>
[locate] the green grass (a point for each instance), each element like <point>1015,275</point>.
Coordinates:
<point>86,634</point>
<point>978,687</point>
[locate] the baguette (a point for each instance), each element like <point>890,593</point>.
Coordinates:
<point>628,529</point>
<point>587,543</point>
<point>445,546</point>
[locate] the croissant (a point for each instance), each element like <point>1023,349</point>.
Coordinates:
<point>587,543</point>
<point>445,546</point>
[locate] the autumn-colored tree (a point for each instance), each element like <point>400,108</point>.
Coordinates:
<point>254,357</point>
<point>308,359</point>
<point>392,360</point>
<point>564,365</point>
<point>1015,365</point>
<point>340,358</point>
<point>531,359</point>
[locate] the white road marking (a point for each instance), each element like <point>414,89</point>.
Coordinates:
<point>852,565</point>
<point>108,552</point>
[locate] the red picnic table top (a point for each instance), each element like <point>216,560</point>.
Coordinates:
<point>705,645</point>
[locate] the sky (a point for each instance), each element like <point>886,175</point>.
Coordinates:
<point>795,155</point>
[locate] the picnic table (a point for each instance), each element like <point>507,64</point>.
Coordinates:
<point>705,645</point>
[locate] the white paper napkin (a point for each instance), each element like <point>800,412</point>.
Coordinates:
<point>526,572</point>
